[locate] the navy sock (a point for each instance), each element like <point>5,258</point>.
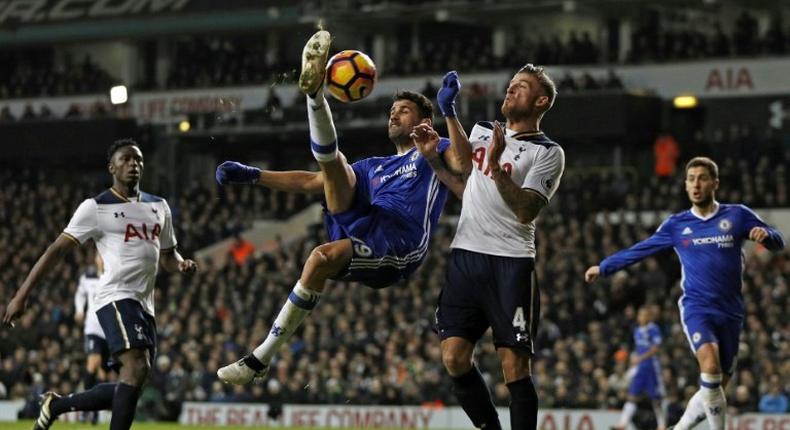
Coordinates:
<point>89,381</point>
<point>472,393</point>
<point>124,405</point>
<point>523,404</point>
<point>98,398</point>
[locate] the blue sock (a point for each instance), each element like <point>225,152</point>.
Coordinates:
<point>98,398</point>
<point>89,381</point>
<point>124,405</point>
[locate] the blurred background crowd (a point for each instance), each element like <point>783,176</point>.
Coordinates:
<point>365,346</point>
<point>625,142</point>
<point>227,60</point>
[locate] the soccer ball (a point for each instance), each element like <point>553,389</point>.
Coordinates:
<point>350,76</point>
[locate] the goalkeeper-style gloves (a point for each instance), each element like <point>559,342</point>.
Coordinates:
<point>232,172</point>
<point>446,96</point>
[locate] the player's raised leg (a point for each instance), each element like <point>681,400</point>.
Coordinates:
<point>339,179</point>
<point>45,415</point>
<point>324,262</point>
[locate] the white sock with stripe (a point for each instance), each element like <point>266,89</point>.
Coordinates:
<point>300,303</point>
<point>658,410</point>
<point>714,400</point>
<point>323,138</point>
<point>629,409</point>
<point>694,413</point>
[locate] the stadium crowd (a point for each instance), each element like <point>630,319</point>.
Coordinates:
<point>365,346</point>
<point>32,73</point>
<point>246,59</point>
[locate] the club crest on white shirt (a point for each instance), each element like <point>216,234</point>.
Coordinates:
<point>547,182</point>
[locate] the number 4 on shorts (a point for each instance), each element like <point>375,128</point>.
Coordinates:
<point>518,319</point>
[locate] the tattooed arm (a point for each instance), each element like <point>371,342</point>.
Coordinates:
<point>526,204</point>
<point>528,199</point>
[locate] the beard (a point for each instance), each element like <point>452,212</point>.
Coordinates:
<point>398,134</point>
<point>516,113</point>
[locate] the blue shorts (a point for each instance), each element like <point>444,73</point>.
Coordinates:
<point>383,254</point>
<point>702,328</point>
<point>482,291</point>
<point>126,326</point>
<point>647,382</point>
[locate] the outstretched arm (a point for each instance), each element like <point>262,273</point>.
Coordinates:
<point>427,142</point>
<point>45,264</point>
<point>294,181</point>
<point>458,156</point>
<point>660,240</point>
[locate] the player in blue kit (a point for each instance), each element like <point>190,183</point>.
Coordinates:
<point>379,213</point>
<point>647,380</point>
<point>708,240</point>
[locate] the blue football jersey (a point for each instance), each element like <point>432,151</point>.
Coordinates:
<point>710,255</point>
<point>646,337</point>
<point>405,187</point>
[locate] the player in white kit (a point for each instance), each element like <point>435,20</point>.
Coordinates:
<point>96,349</point>
<point>513,172</point>
<point>133,232</point>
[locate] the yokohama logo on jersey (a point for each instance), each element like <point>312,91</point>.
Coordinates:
<point>723,241</point>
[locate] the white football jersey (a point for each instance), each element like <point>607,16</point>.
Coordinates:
<point>487,225</point>
<point>129,236</point>
<point>86,296</point>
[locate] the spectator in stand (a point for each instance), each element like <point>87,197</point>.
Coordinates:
<point>613,82</point>
<point>774,42</point>
<point>241,249</point>
<point>666,152</point>
<point>743,401</point>
<point>567,83</point>
<point>273,106</point>
<point>6,115</point>
<point>28,114</point>
<point>774,401</point>
<point>589,83</point>
<point>745,36</point>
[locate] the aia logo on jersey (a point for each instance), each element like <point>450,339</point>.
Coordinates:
<point>479,158</point>
<point>142,232</point>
